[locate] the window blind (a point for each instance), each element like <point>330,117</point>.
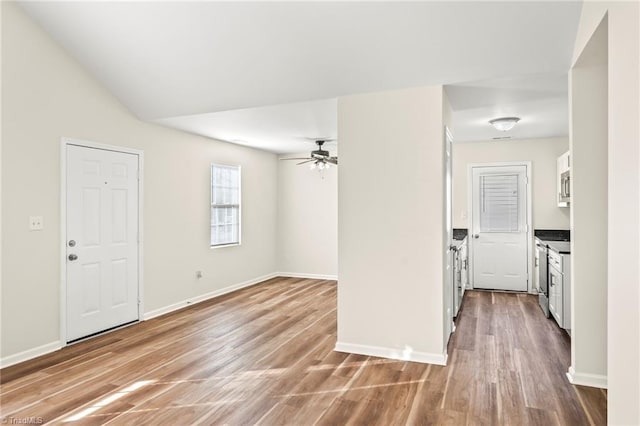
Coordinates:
<point>499,203</point>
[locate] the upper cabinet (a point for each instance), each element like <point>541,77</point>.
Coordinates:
<point>563,185</point>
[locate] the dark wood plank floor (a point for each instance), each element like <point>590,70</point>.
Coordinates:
<point>264,355</point>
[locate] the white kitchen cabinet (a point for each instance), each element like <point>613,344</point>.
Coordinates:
<point>563,163</point>
<point>464,261</point>
<point>460,274</point>
<point>536,270</point>
<point>562,179</point>
<point>560,288</point>
<point>555,297</point>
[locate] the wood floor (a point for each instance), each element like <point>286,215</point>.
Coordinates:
<point>265,355</point>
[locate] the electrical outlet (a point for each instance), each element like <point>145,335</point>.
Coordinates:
<point>36,223</point>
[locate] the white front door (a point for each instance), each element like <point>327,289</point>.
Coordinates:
<point>101,241</point>
<point>499,227</point>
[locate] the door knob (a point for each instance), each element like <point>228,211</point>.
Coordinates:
<point>73,257</point>
<point>72,243</point>
<point>476,236</point>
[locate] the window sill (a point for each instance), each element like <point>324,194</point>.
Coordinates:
<point>224,245</point>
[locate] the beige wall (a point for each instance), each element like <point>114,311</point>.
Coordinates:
<point>588,113</point>
<point>47,95</point>
<point>542,153</point>
<point>307,220</point>
<point>390,224</point>
<point>623,272</point>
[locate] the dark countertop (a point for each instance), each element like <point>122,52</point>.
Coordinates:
<point>552,234</point>
<point>459,233</point>
<point>561,247</point>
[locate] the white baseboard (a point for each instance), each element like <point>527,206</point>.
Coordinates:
<point>201,298</point>
<point>378,351</point>
<point>584,379</point>
<point>310,276</point>
<point>30,354</point>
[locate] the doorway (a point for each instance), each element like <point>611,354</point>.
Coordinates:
<point>500,211</point>
<point>101,211</point>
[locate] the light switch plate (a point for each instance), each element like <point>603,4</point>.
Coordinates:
<point>36,223</point>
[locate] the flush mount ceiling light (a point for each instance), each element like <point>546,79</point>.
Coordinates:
<point>504,123</point>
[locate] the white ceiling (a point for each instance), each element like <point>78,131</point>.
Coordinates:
<point>540,101</point>
<point>279,128</point>
<point>179,63</point>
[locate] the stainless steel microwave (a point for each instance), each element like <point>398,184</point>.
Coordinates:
<point>565,187</point>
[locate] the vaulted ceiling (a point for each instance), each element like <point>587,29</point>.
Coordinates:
<point>266,74</point>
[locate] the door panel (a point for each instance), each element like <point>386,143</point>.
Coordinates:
<point>102,220</point>
<point>499,227</point>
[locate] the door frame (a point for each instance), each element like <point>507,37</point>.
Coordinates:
<point>529,184</point>
<point>64,143</point>
<point>449,279</point>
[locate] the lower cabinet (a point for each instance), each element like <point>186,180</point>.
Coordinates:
<point>555,297</point>
<point>460,275</point>
<point>464,267</point>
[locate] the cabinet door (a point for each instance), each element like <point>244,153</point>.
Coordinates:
<point>552,298</point>
<point>536,272</point>
<point>555,283</point>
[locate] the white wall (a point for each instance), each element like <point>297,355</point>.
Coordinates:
<point>588,117</point>
<point>542,153</point>
<point>307,220</point>
<point>623,273</point>
<point>390,224</point>
<point>47,95</point>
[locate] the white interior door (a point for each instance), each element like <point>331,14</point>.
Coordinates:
<point>101,241</point>
<point>499,227</point>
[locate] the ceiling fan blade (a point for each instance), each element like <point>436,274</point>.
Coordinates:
<point>297,164</point>
<point>332,160</point>
<point>297,158</point>
<point>320,139</point>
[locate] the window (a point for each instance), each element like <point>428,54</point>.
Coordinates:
<point>225,205</point>
<point>499,203</point>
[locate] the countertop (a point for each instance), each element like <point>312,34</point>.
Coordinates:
<point>552,234</point>
<point>561,247</point>
<point>459,233</point>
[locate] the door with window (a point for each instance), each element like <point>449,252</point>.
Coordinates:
<point>101,240</point>
<point>499,227</point>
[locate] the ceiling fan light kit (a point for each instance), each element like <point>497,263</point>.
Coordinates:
<point>319,159</point>
<point>504,124</point>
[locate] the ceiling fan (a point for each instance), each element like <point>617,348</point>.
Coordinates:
<point>319,158</point>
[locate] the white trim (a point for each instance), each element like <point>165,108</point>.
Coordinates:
<point>309,276</point>
<point>585,379</point>
<point>30,354</point>
<point>206,296</point>
<point>64,142</point>
<point>530,254</point>
<point>392,353</point>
